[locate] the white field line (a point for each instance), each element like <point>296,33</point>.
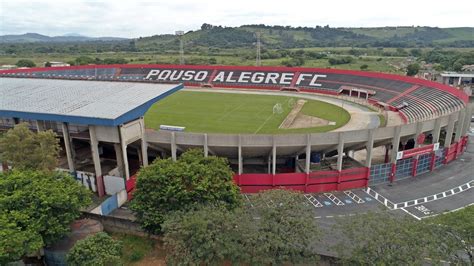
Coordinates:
<point>261,126</point>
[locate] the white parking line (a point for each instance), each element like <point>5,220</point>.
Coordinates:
<point>354,196</point>
<point>416,217</point>
<point>313,200</point>
<point>248,199</point>
<point>445,194</point>
<point>387,203</point>
<point>334,199</point>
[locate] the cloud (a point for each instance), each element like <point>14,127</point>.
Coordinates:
<point>145,17</point>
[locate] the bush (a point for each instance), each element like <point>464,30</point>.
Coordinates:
<point>166,186</point>
<point>364,67</point>
<point>25,63</point>
<point>412,69</point>
<point>99,249</point>
<point>340,60</point>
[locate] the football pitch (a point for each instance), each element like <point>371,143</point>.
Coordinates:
<point>209,112</point>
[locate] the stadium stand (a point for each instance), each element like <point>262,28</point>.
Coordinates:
<point>425,99</point>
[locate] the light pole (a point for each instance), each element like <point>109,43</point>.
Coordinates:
<point>180,34</point>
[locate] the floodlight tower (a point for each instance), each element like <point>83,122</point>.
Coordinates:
<point>180,34</point>
<point>259,46</point>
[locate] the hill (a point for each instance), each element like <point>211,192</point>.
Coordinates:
<point>35,37</point>
<point>303,37</point>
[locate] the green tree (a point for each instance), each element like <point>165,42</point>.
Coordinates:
<point>286,229</point>
<point>412,69</point>
<point>36,209</point>
<point>168,185</point>
<point>278,229</point>
<point>383,239</point>
<point>364,67</point>
<point>99,249</point>
<point>459,225</point>
<point>23,149</point>
<point>25,63</point>
<point>207,234</point>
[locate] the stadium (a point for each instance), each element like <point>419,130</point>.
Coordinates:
<point>307,129</point>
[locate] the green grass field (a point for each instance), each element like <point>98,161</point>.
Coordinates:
<point>236,113</point>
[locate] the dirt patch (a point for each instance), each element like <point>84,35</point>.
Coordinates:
<point>306,121</point>
<point>295,119</point>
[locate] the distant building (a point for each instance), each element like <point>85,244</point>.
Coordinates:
<point>6,67</point>
<point>56,64</point>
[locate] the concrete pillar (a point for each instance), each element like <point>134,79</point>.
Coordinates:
<point>395,142</point>
<point>450,130</point>
<point>40,125</point>
<point>240,156</point>
<point>95,151</point>
<point>436,130</point>
<point>206,147</point>
<point>419,128</point>
<point>67,145</point>
<point>467,120</point>
<point>340,151</point>
<point>123,146</point>
<point>118,155</point>
<point>140,156</point>
<point>173,146</point>
<point>144,144</point>
<point>274,157</point>
<point>459,125</point>
<point>370,148</point>
<point>308,154</point>
<point>358,94</point>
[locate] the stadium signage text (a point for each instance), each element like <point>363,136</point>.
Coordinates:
<point>246,77</point>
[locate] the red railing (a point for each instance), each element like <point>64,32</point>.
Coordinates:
<point>317,181</point>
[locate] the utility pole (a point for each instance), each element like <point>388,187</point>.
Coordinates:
<point>259,46</point>
<point>180,34</point>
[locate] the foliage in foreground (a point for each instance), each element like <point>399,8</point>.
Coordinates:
<point>23,149</point>
<point>96,250</point>
<point>460,225</point>
<point>383,239</point>
<point>278,230</point>
<point>167,186</point>
<point>36,209</point>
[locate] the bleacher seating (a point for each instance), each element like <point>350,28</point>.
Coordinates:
<point>424,102</point>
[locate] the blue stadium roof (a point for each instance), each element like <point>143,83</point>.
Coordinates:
<point>79,101</point>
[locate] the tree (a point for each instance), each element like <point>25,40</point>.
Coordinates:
<point>278,229</point>
<point>206,234</point>
<point>383,239</point>
<point>412,69</point>
<point>99,249</point>
<point>36,209</point>
<point>47,64</point>
<point>286,229</point>
<point>24,149</point>
<point>168,185</point>
<point>364,67</point>
<point>25,63</point>
<point>460,227</point>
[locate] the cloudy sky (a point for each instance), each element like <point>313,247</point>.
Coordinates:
<point>134,18</point>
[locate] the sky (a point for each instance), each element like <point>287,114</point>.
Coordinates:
<point>135,18</point>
